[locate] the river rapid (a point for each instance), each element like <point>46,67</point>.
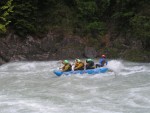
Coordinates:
<point>31,87</point>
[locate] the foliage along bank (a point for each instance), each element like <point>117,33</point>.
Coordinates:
<point>116,26</point>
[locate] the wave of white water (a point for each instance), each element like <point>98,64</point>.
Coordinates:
<point>31,87</point>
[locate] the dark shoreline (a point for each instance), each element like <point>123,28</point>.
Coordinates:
<point>57,47</point>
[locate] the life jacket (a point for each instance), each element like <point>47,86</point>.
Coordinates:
<point>90,65</point>
<point>102,62</point>
<point>67,67</point>
<point>79,66</point>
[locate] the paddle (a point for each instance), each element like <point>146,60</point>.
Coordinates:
<point>73,65</point>
<point>85,65</point>
<point>59,64</point>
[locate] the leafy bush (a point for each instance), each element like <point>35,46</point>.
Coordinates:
<point>141,29</point>
<point>6,10</point>
<point>24,18</point>
<point>96,28</point>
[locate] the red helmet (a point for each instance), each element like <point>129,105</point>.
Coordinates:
<point>103,56</point>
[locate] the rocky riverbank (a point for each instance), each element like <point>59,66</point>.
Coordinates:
<point>58,45</point>
<point>51,47</point>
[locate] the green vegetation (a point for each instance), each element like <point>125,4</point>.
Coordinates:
<point>5,10</point>
<point>141,29</point>
<point>89,18</point>
<point>136,56</point>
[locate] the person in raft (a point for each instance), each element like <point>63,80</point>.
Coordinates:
<point>89,64</point>
<point>102,61</point>
<point>79,65</point>
<point>66,66</point>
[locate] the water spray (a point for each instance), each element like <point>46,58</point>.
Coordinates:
<point>115,66</point>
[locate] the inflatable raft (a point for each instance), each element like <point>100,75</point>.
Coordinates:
<point>89,71</point>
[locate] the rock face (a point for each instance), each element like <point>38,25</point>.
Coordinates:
<point>51,47</point>
<point>90,52</point>
<point>57,45</point>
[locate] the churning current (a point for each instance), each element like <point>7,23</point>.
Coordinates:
<point>31,87</point>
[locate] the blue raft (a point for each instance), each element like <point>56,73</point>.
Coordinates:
<point>89,71</point>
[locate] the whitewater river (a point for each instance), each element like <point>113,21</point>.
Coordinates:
<point>31,87</point>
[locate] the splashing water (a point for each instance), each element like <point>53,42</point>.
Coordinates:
<point>116,66</point>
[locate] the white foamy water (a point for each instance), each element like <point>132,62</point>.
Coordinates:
<point>31,87</point>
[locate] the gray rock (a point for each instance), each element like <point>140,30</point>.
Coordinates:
<point>90,52</point>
